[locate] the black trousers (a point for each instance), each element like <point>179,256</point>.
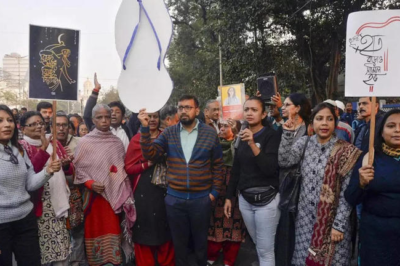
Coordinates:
<point>189,218</point>
<point>21,238</point>
<point>285,239</point>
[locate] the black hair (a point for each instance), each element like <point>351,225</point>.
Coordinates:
<point>28,115</point>
<point>378,138</point>
<point>60,114</point>
<point>15,109</point>
<point>43,105</point>
<point>300,99</point>
<point>14,137</point>
<point>322,106</point>
<point>255,98</point>
<point>376,99</point>
<point>119,105</point>
<point>201,117</point>
<point>24,108</point>
<point>71,125</point>
<point>78,117</point>
<point>189,97</point>
<point>167,110</point>
<point>264,121</point>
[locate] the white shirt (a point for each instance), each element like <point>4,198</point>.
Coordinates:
<point>121,134</point>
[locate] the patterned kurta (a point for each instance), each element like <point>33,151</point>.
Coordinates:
<point>54,237</point>
<point>313,170</point>
<point>221,228</point>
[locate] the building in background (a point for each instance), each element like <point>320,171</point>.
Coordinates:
<point>14,79</point>
<point>85,93</point>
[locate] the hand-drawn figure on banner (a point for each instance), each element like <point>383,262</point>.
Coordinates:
<point>374,48</point>
<point>54,59</point>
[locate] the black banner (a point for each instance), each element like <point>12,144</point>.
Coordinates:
<point>53,63</point>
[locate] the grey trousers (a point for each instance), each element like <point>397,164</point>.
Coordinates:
<point>261,223</point>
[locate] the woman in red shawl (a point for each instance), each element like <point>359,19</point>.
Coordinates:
<point>99,164</point>
<point>51,202</point>
<point>150,232</point>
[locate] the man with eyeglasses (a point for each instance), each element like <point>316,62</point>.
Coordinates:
<point>62,131</point>
<point>70,143</point>
<point>194,158</point>
<point>212,114</point>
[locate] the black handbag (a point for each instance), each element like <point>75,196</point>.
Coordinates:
<point>289,189</point>
<point>260,198</point>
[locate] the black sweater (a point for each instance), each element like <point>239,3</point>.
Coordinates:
<point>250,171</point>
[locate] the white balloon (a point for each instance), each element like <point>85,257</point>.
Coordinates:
<point>142,85</point>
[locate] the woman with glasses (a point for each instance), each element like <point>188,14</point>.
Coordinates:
<point>297,110</point>
<point>18,224</point>
<point>322,222</point>
<point>226,233</point>
<point>51,201</point>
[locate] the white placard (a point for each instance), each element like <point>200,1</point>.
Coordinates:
<point>373,54</point>
<point>142,84</point>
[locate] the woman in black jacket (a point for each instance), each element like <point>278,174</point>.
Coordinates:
<point>255,175</point>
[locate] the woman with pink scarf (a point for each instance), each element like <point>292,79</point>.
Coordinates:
<point>99,164</point>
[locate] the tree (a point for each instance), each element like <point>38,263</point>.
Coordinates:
<point>303,42</point>
<point>108,96</point>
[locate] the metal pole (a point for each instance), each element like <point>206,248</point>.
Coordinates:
<point>19,78</point>
<point>220,60</point>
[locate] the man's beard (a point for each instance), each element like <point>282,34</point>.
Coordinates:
<point>186,122</point>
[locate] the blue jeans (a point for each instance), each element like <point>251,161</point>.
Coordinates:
<point>189,218</point>
<point>261,223</point>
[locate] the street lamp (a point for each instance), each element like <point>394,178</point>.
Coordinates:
<point>18,57</point>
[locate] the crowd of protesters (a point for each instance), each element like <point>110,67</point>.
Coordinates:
<point>159,188</point>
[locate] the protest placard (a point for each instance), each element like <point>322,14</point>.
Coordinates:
<point>53,63</point>
<point>232,100</point>
<point>373,59</point>
<point>53,66</point>
<point>373,54</point>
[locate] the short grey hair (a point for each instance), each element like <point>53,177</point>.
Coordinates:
<point>100,106</point>
<point>167,111</point>
<point>210,102</point>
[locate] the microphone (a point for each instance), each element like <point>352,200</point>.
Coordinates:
<point>245,125</point>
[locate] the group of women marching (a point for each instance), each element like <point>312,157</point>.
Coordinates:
<point>293,191</point>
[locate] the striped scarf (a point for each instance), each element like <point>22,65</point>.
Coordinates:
<point>341,160</point>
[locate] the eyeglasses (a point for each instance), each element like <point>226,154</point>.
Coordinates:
<point>13,158</point>
<point>225,125</point>
<point>61,125</point>
<point>286,105</point>
<point>187,108</point>
<point>36,124</point>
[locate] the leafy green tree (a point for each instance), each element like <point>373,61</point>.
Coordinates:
<point>302,41</point>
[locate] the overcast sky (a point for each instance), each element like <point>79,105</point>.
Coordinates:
<point>94,18</point>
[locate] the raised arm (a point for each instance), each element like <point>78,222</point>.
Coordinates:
<point>290,153</point>
<point>90,104</point>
